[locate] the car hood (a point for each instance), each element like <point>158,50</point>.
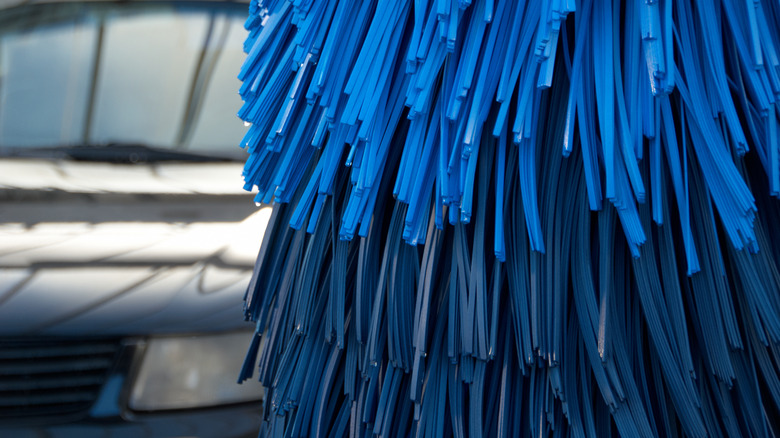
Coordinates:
<point>108,249</point>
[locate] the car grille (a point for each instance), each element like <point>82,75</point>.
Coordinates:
<point>52,379</point>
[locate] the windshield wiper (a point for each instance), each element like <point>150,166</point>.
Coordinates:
<point>123,153</point>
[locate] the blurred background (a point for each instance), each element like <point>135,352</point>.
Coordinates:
<point>126,239</point>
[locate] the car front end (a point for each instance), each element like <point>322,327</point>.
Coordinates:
<point>126,239</point>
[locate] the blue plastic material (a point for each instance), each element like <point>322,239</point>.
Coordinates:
<point>515,218</point>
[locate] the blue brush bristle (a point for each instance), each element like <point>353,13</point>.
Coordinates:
<point>500,218</point>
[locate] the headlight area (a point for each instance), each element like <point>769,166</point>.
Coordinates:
<point>186,372</point>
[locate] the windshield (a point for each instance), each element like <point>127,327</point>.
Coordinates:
<point>160,75</point>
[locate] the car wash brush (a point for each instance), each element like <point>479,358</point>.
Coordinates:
<point>515,218</point>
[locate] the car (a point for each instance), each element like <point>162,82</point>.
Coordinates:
<point>126,238</point>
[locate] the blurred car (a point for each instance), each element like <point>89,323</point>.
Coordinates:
<point>126,240</point>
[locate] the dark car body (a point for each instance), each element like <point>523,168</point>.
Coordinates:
<point>126,239</point>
